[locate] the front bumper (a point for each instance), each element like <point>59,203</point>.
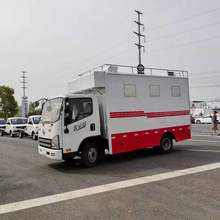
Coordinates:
<point>50,153</point>
<point>17,130</point>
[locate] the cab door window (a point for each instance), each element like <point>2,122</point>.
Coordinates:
<point>80,108</point>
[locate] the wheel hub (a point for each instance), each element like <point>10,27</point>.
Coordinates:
<point>92,155</point>
<point>166,144</point>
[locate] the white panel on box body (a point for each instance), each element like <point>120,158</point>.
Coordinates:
<point>124,113</point>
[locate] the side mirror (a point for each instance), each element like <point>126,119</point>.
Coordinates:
<point>36,104</point>
<point>67,114</point>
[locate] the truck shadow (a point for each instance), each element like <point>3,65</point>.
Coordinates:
<point>126,164</point>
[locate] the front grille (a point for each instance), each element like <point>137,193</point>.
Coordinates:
<point>20,127</point>
<point>44,142</point>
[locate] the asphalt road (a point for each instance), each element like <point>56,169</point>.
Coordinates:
<point>25,175</point>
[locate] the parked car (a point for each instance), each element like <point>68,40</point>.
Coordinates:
<point>2,126</point>
<point>31,128</point>
<point>15,125</point>
<point>205,119</point>
<point>192,119</point>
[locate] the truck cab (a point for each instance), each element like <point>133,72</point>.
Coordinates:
<point>69,127</point>
<point>15,125</point>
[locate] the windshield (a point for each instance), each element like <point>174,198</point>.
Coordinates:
<point>36,120</point>
<point>17,121</point>
<point>2,122</point>
<point>51,110</point>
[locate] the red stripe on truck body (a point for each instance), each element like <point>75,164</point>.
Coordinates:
<point>129,141</point>
<point>130,114</point>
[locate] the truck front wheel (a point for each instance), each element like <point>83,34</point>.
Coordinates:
<point>90,155</point>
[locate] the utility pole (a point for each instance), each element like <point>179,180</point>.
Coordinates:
<point>24,99</point>
<point>140,67</point>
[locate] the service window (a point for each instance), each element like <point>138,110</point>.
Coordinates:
<point>129,90</point>
<point>80,108</point>
<point>175,91</point>
<point>154,90</point>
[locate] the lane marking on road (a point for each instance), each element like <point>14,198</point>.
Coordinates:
<point>46,200</point>
<point>201,135</point>
<point>207,141</point>
<point>206,135</point>
<point>203,150</point>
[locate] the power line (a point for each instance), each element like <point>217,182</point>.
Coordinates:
<point>207,72</point>
<point>160,26</point>
<point>183,32</point>
<point>207,77</point>
<point>181,20</point>
<point>205,86</point>
<point>188,43</point>
<point>161,37</point>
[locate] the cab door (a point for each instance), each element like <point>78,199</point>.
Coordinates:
<point>82,121</point>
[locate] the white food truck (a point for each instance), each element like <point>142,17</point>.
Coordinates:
<point>113,109</point>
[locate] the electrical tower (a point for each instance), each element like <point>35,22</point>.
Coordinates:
<point>140,67</point>
<point>24,99</point>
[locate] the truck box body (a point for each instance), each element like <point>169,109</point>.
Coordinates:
<point>137,110</point>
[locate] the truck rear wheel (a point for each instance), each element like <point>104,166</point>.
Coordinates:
<point>166,144</point>
<point>90,155</point>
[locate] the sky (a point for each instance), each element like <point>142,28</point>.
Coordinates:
<point>54,40</point>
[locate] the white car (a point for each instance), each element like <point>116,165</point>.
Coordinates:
<point>32,126</point>
<point>15,125</point>
<point>205,119</point>
<point>2,126</point>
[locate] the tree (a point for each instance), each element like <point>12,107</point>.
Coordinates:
<point>33,110</point>
<point>8,104</point>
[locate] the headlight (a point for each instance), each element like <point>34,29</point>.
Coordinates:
<point>56,142</point>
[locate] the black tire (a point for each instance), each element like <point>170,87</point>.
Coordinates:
<point>166,144</point>
<point>1,133</point>
<point>68,160</point>
<point>198,122</point>
<point>90,154</point>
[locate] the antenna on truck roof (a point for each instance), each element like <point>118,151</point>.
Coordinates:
<point>140,67</point>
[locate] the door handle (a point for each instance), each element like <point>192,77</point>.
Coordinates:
<point>92,127</point>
